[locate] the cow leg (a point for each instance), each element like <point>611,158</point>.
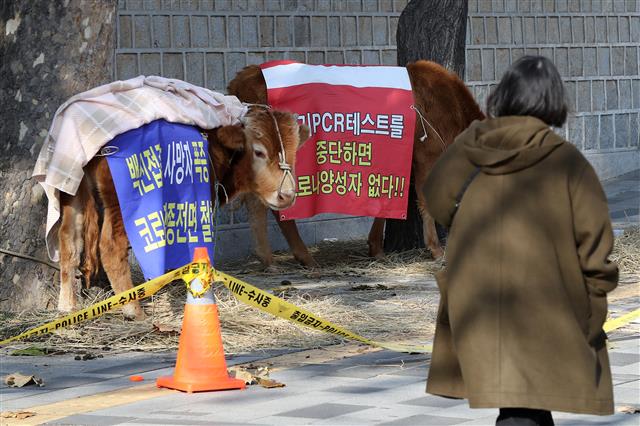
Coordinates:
<point>376,238</point>
<point>298,247</point>
<point>71,244</point>
<point>114,256</point>
<point>431,240</point>
<point>258,221</point>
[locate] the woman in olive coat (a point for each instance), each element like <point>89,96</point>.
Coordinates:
<point>523,294</point>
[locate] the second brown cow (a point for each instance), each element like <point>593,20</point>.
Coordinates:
<point>447,108</point>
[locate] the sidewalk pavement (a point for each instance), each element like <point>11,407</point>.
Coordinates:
<point>623,195</point>
<point>338,385</point>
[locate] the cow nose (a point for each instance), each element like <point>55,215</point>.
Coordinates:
<point>286,196</point>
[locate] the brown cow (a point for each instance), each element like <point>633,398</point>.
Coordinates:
<point>447,107</point>
<point>246,158</point>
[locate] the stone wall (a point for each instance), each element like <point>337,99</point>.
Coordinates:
<point>596,46</point>
<point>207,42</point>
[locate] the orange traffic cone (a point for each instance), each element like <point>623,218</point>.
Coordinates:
<point>200,365</point>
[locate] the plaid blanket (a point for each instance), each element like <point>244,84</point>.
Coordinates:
<point>89,120</point>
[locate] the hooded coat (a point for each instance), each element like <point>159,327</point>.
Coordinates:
<point>523,295</point>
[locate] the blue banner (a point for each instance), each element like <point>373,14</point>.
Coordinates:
<point>163,182</point>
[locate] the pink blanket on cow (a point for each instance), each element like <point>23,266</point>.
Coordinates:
<point>89,120</point>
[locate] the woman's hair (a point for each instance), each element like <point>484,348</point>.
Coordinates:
<point>531,86</point>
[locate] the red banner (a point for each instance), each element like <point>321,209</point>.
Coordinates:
<point>358,159</point>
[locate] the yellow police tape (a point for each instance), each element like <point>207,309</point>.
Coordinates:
<point>623,320</point>
<point>247,294</point>
<point>280,308</point>
<point>187,273</point>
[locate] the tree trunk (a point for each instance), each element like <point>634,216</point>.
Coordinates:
<point>49,52</point>
<point>434,30</point>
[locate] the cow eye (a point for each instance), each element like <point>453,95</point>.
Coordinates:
<point>260,154</point>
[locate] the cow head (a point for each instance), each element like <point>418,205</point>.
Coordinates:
<point>263,155</point>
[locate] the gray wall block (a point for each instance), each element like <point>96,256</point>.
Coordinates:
<point>161,31</point>
<point>199,31</point>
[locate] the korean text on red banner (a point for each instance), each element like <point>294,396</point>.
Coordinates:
<point>358,159</point>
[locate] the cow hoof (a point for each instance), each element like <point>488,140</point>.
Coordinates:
<point>134,313</point>
<point>437,254</point>
<point>376,253</point>
<point>308,262</point>
<point>375,250</point>
<point>267,261</point>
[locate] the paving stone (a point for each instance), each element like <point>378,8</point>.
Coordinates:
<point>419,371</point>
<point>629,196</point>
<point>69,381</point>
<point>324,411</point>
<point>632,384</point>
<point>390,399</point>
<point>374,416</point>
<point>132,367</point>
<point>357,371</point>
<point>360,390</point>
<point>252,395</point>
<point>386,357</point>
<point>625,213</point>
<point>86,419</point>
<point>157,421</point>
<point>618,420</point>
<point>434,401</point>
<point>482,421</point>
<point>9,394</point>
<point>622,359</point>
<point>426,420</point>
<point>626,395</point>
<point>464,411</point>
<point>625,377</point>
<point>182,413</point>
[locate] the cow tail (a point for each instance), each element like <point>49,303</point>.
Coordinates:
<point>91,237</point>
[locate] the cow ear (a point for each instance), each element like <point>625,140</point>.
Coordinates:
<point>303,134</point>
<point>232,137</point>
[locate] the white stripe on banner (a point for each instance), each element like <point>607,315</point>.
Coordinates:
<point>375,76</point>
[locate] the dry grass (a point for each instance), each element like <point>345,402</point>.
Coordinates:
<point>371,314</point>
<point>626,252</point>
<point>390,312</point>
<point>345,258</point>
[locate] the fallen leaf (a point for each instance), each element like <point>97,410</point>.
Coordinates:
<point>86,357</point>
<point>17,380</point>
<point>30,351</point>
<point>262,373</point>
<point>253,375</point>
<point>242,374</point>
<point>629,409</point>
<point>17,414</point>
<point>166,329</point>
<point>270,383</point>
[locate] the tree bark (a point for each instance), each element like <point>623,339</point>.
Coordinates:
<point>434,30</point>
<point>49,52</point>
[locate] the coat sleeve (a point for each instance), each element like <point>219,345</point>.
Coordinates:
<point>445,181</point>
<point>594,241</point>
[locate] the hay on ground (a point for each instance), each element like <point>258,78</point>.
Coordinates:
<point>382,312</point>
